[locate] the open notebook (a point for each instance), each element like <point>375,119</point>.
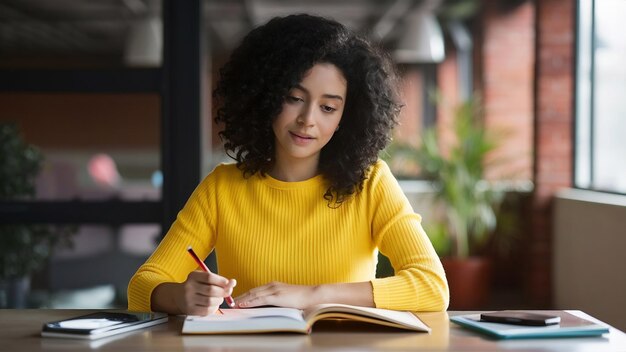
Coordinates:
<point>264,320</point>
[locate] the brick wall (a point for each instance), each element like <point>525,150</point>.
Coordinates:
<point>507,55</point>
<point>503,76</point>
<point>448,84</point>
<point>524,56</point>
<point>410,120</point>
<point>504,72</point>
<point>554,120</point>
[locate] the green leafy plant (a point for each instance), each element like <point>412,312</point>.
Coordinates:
<point>469,202</point>
<point>23,248</point>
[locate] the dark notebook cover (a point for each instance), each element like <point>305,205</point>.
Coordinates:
<point>101,324</point>
<point>570,326</point>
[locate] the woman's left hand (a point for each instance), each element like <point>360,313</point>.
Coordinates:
<point>279,294</point>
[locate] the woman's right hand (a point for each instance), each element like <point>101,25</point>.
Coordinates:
<point>200,294</point>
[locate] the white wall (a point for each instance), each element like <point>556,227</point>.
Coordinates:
<point>590,254</point>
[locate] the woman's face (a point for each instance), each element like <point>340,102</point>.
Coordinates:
<point>310,114</point>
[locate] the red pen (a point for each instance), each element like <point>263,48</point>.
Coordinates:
<point>229,300</point>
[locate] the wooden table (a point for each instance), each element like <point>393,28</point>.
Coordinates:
<point>19,331</point>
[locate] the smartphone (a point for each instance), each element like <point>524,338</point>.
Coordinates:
<point>520,318</point>
<point>101,324</point>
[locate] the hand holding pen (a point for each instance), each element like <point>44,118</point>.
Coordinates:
<point>229,300</point>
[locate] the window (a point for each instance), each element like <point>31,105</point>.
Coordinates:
<point>600,155</point>
<point>107,112</point>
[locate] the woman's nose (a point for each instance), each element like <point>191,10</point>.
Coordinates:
<point>306,117</point>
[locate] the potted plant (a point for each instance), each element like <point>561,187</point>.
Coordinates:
<point>23,247</point>
<point>468,203</point>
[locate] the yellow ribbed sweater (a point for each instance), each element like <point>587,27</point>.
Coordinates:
<point>264,230</point>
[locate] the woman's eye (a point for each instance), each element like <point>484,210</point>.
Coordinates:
<point>326,108</point>
<point>293,99</point>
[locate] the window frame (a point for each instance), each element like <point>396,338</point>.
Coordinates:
<point>181,105</point>
<point>586,144</point>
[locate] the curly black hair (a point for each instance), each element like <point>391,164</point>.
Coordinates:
<point>270,61</point>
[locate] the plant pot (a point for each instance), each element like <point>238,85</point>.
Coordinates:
<point>14,292</point>
<point>469,281</point>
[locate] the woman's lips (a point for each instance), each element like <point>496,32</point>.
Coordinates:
<point>300,139</point>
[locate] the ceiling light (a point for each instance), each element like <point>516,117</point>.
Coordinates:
<point>144,43</point>
<point>421,41</point>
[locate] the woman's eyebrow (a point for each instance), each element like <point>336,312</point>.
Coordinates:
<point>329,96</point>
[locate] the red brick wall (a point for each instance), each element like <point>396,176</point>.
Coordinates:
<point>554,120</point>
<point>504,73</point>
<point>525,56</point>
<point>507,55</point>
<point>448,84</point>
<point>410,119</point>
<point>503,76</point>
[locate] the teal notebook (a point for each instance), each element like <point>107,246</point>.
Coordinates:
<point>570,326</point>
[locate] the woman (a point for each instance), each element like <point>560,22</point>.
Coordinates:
<point>299,219</point>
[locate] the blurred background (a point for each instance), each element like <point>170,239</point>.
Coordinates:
<point>107,127</point>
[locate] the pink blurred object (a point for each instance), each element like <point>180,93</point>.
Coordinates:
<point>103,171</point>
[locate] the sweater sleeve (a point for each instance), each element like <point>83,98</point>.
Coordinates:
<point>419,283</point>
<point>195,226</point>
